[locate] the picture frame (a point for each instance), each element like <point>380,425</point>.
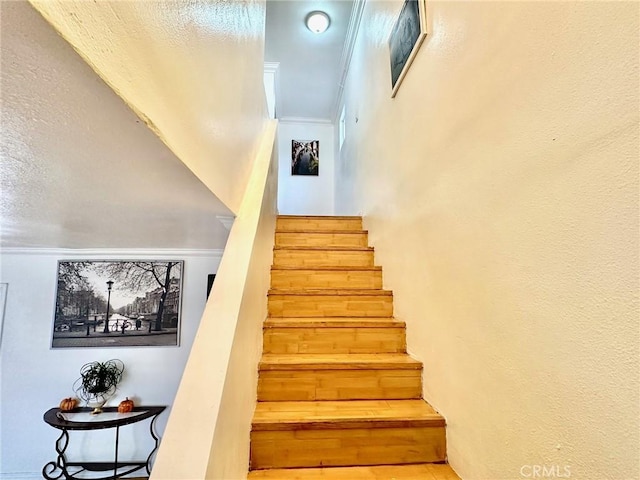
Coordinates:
<point>3,300</point>
<point>407,35</point>
<point>305,157</point>
<point>117,303</point>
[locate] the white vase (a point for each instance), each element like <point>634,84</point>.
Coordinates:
<point>97,402</point>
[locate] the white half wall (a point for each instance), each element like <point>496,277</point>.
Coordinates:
<point>302,194</point>
<point>35,378</point>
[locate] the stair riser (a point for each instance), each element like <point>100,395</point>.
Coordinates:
<point>346,447</point>
<point>334,340</point>
<point>330,306</point>
<point>310,279</point>
<point>424,471</point>
<point>322,258</point>
<point>292,385</point>
<point>321,239</point>
<point>318,224</point>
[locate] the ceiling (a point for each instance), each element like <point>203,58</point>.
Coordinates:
<point>79,169</point>
<point>311,64</point>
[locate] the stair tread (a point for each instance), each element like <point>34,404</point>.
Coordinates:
<point>334,292</point>
<point>344,414</point>
<point>424,471</point>
<point>322,217</point>
<point>338,361</point>
<point>341,248</point>
<point>329,268</point>
<point>324,232</point>
<point>332,322</point>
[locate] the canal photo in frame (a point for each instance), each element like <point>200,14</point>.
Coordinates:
<point>305,157</point>
<point>407,35</point>
<point>109,303</point>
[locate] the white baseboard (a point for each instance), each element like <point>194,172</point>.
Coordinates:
<point>21,476</point>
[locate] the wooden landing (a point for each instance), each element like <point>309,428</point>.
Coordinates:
<point>424,471</point>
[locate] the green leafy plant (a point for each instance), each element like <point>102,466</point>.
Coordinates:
<point>98,380</point>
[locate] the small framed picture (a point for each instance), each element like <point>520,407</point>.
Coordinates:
<point>305,157</point>
<point>407,35</point>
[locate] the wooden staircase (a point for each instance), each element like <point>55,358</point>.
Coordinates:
<point>338,396</point>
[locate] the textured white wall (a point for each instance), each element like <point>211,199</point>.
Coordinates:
<point>78,164</point>
<point>302,194</point>
<point>35,378</point>
<point>500,189</point>
<point>192,70</point>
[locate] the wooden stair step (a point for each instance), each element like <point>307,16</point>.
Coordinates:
<point>319,256</point>
<point>326,277</point>
<point>290,222</point>
<point>300,361</point>
<point>334,335</point>
<point>328,248</point>
<point>329,268</point>
<point>330,303</point>
<point>332,322</point>
<point>344,414</point>
<point>306,377</point>
<point>349,292</point>
<point>422,471</point>
<point>346,433</point>
<point>339,238</point>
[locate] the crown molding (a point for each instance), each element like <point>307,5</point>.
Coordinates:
<point>271,67</point>
<point>226,220</point>
<point>120,253</point>
<point>347,51</point>
<point>271,70</point>
<point>306,120</point>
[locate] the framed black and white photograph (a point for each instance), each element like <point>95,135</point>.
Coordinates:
<point>407,35</point>
<point>305,157</point>
<point>117,303</point>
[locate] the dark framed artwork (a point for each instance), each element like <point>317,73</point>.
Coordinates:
<point>210,279</point>
<point>305,157</point>
<point>109,303</point>
<point>407,35</point>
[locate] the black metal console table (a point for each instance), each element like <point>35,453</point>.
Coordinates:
<point>66,421</point>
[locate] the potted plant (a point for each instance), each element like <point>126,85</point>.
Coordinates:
<point>98,382</point>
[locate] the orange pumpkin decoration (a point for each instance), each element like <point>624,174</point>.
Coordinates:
<point>125,406</point>
<point>68,404</point>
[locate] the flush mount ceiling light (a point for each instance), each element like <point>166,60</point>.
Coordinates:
<point>317,22</point>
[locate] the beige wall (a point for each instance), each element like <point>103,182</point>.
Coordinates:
<point>230,450</point>
<point>500,188</point>
<point>193,71</point>
<point>207,435</point>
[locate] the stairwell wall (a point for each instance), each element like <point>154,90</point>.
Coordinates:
<point>192,71</point>
<point>306,194</point>
<point>500,189</point>
<point>34,377</point>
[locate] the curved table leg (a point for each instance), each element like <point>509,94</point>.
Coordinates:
<point>50,469</point>
<point>155,438</point>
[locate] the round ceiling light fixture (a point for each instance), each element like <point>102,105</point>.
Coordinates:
<point>317,22</point>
